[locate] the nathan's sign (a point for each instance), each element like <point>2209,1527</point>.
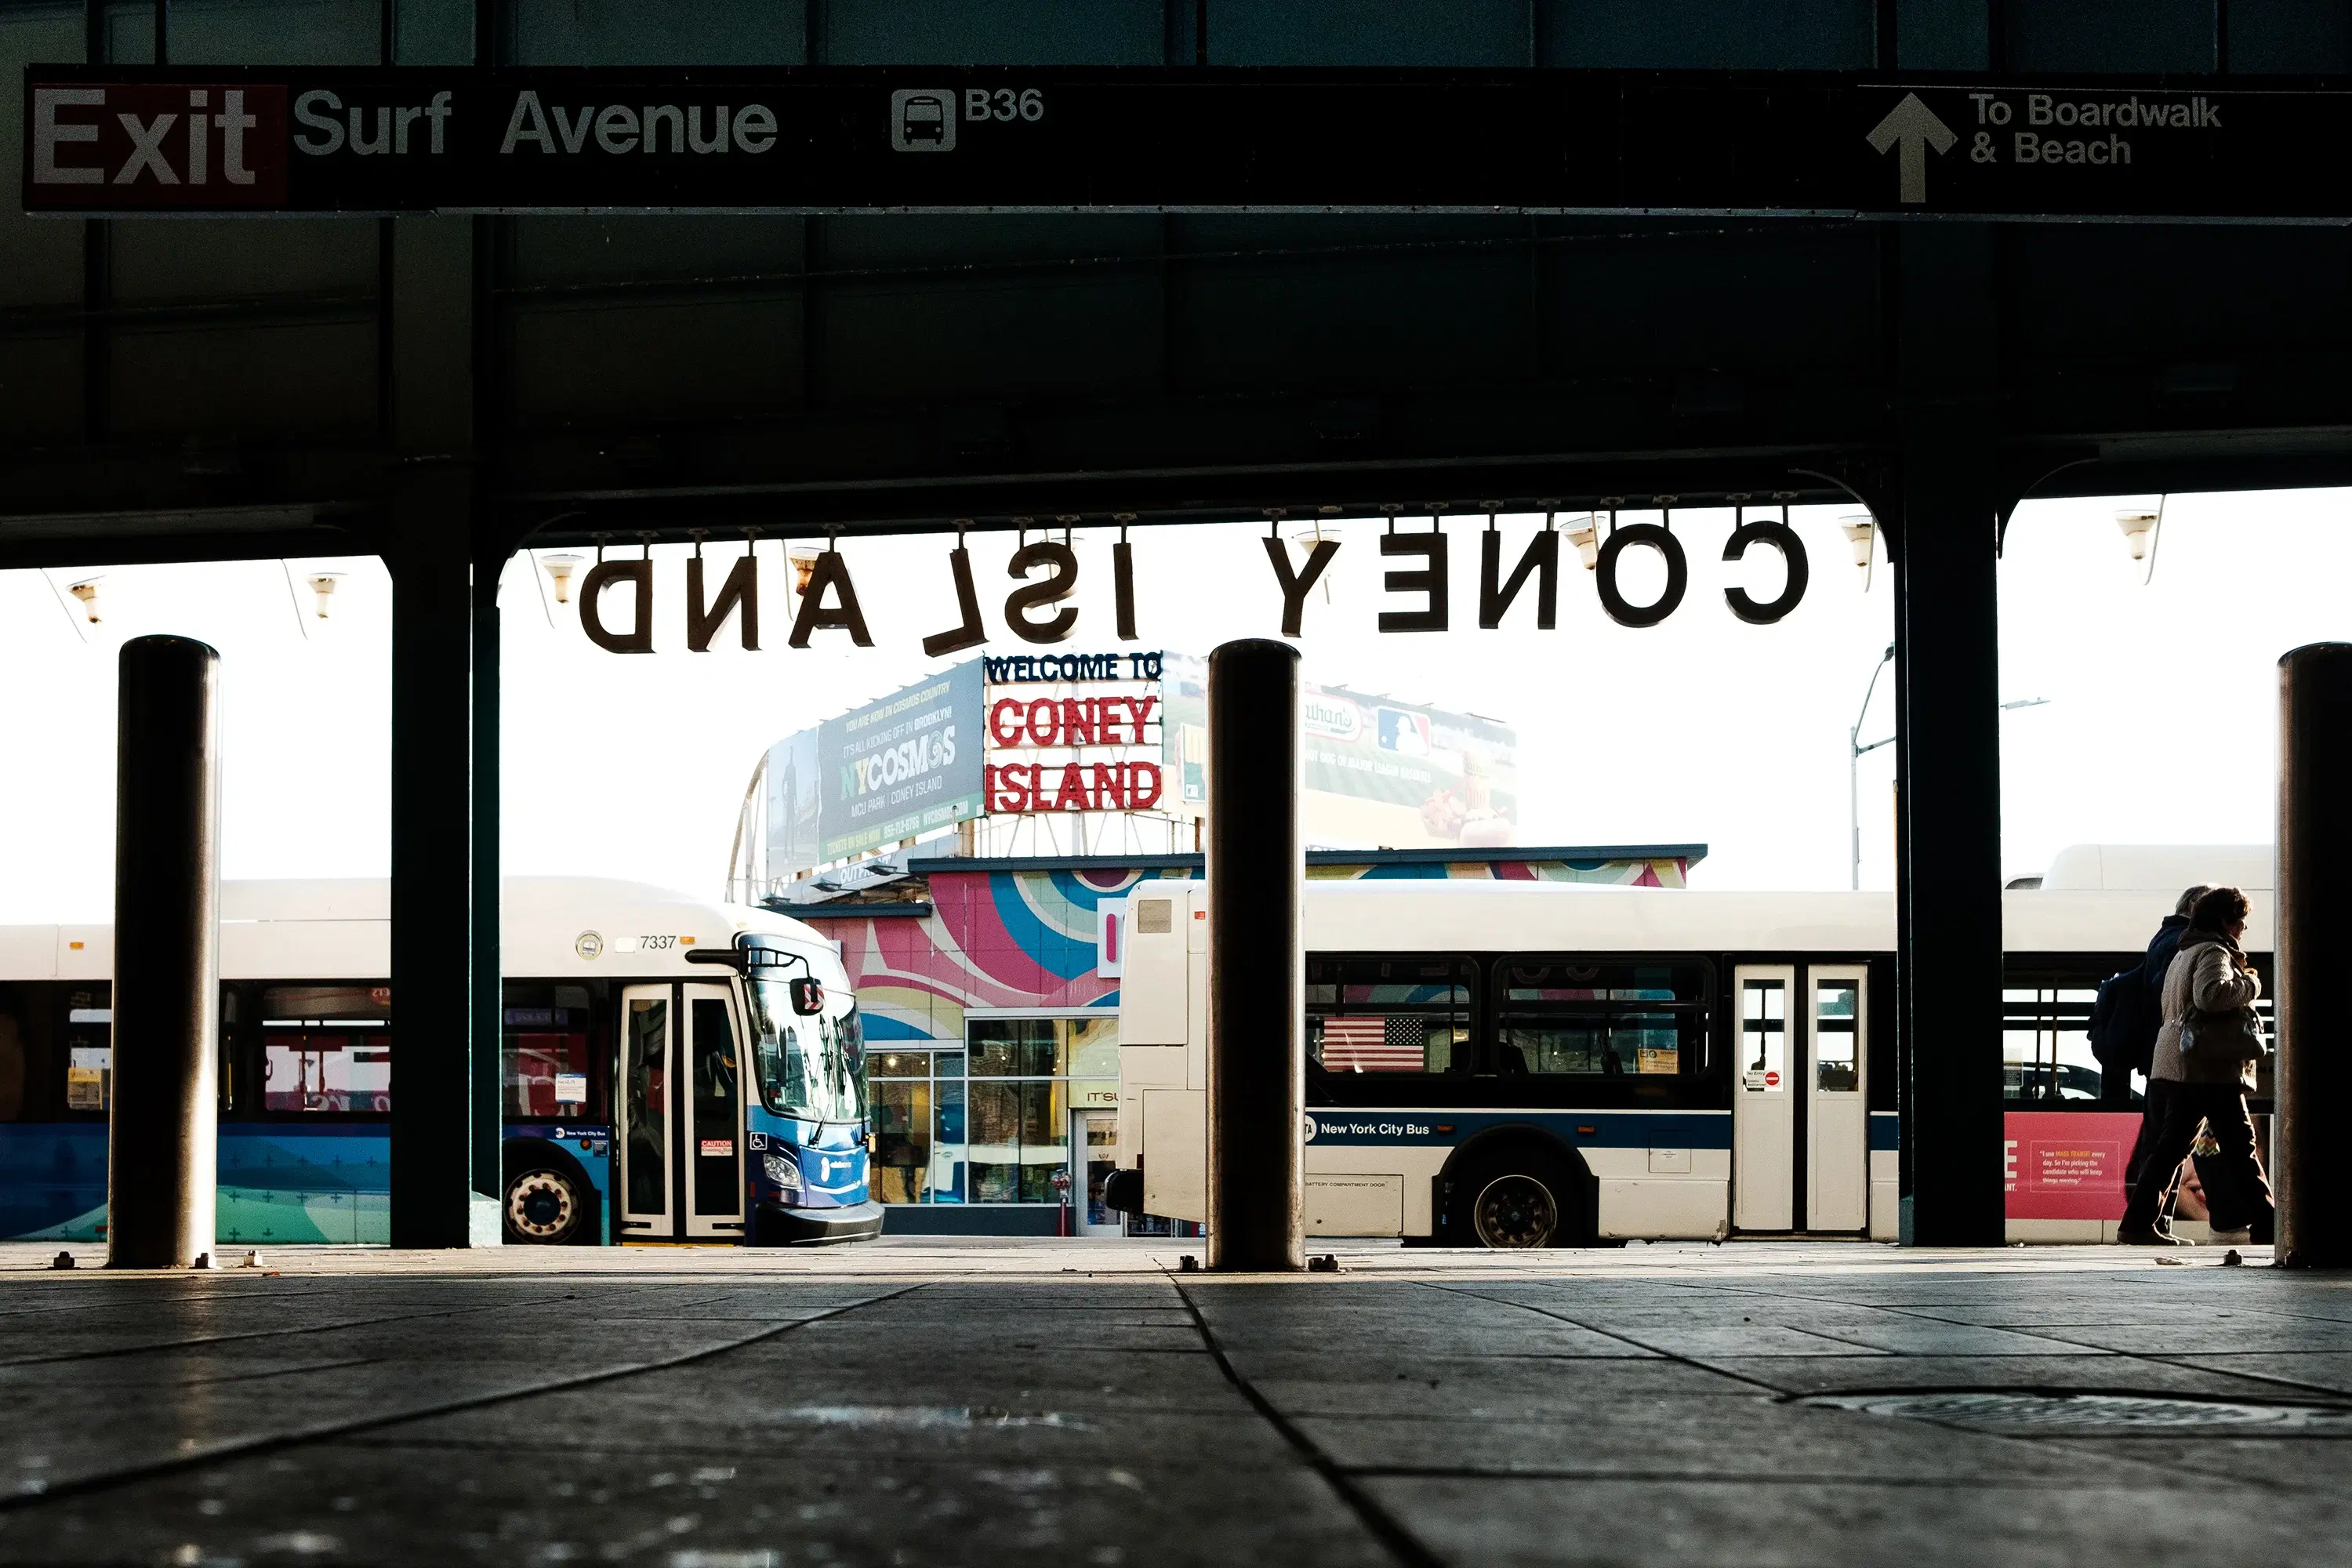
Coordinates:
<point>255,139</point>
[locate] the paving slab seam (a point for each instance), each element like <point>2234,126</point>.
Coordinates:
<point>1383,1526</point>
<point>2179,1360</point>
<point>2194,1364</point>
<point>251,1447</point>
<point>297,1371</point>
<point>1622,1338</point>
<point>1781,1395</point>
<point>11,1362</point>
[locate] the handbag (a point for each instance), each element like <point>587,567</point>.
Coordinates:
<point>2236,1036</point>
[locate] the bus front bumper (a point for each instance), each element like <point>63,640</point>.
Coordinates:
<point>777,1224</point>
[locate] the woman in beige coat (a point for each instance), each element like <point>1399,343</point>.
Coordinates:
<point>2209,992</point>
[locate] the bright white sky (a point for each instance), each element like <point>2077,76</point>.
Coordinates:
<point>2161,725</point>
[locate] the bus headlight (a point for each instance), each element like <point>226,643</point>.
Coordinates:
<point>783,1171</point>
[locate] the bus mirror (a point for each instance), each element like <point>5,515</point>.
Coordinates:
<point>731,957</point>
<point>808,996</point>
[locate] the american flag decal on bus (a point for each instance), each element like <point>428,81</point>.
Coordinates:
<point>1391,1044</point>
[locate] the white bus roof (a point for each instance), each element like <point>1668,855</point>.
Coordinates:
<point>2160,867</point>
<point>341,930</point>
<point>1463,915</point>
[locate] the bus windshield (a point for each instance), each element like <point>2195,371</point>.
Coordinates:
<point>814,1066</point>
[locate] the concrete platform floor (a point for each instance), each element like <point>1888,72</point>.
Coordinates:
<point>931,1400</point>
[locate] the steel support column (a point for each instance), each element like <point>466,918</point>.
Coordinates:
<point>161,1143</point>
<point>434,1003</point>
<point>1257,972</point>
<point>2315,1018</point>
<point>489,986</point>
<point>444,965</point>
<point>1947,882</point>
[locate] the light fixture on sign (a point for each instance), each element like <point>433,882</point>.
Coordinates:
<point>1584,533</point>
<point>2140,529</point>
<point>803,564</point>
<point>1306,539</point>
<point>1861,533</point>
<point>560,570</point>
<point>87,592</point>
<point>322,583</point>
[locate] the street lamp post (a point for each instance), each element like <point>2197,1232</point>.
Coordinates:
<point>1856,751</point>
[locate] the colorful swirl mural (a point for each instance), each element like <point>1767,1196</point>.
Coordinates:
<point>1025,938</point>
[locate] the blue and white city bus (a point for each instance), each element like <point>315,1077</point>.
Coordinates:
<point>1519,1064</point>
<point>672,1070</point>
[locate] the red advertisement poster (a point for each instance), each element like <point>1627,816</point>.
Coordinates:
<point>2068,1165</point>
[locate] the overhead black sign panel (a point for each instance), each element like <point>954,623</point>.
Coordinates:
<point>260,140</point>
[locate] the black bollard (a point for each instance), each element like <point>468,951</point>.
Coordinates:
<point>159,1130</point>
<point>2314,932</point>
<point>1257,967</point>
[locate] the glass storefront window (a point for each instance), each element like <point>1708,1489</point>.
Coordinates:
<point>1094,1048</point>
<point>989,1123</point>
<point>948,1169</point>
<point>1019,1137</point>
<point>1018,1047</point>
<point>898,1090</point>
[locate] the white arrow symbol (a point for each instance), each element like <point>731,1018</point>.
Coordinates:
<point>1914,126</point>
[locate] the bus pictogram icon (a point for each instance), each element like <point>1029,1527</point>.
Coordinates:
<point>923,120</point>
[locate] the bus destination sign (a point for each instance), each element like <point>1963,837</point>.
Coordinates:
<point>262,140</point>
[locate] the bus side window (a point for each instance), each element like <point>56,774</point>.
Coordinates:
<point>546,1053</point>
<point>90,1050</point>
<point>12,1057</point>
<point>326,1050</point>
<point>1560,1016</point>
<point>1389,1015</point>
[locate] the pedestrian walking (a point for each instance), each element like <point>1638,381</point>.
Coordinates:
<point>2125,1021</point>
<point>2206,1050</point>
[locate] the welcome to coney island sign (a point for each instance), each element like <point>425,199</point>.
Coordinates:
<point>616,597</point>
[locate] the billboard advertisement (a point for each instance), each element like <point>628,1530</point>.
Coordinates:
<point>901,765</point>
<point>795,804</point>
<point>1378,771</point>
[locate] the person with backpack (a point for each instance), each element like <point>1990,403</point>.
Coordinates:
<point>2125,1019</point>
<point>2206,1051</point>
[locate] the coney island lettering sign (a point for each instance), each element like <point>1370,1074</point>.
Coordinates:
<point>262,140</point>
<point>1073,732</point>
<point>616,598</point>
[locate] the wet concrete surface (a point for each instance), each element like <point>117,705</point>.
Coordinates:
<point>920,1401</point>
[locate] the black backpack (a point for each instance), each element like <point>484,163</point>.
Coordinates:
<point>2125,1021</point>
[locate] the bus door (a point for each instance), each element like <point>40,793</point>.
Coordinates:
<point>1837,1115</point>
<point>1801,1122</point>
<point>1763,1108</point>
<point>681,1114</point>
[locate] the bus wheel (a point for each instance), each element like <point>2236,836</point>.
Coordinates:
<point>1514,1209</point>
<point>544,1207</point>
